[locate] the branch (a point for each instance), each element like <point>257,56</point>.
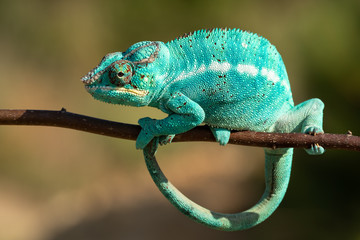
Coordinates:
<point>66,119</point>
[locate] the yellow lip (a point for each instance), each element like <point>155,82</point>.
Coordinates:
<point>141,93</point>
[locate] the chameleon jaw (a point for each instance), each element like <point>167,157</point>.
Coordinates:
<point>136,92</point>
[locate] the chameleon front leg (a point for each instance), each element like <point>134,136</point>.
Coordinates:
<point>186,114</point>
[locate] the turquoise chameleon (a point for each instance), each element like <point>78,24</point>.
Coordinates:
<point>227,79</point>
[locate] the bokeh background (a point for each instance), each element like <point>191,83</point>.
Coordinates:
<point>58,184</point>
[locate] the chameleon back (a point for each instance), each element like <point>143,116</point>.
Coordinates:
<point>238,78</point>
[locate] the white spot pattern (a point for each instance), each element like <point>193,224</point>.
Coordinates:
<point>249,69</point>
<point>195,71</point>
<point>270,75</point>
<point>252,70</point>
<point>220,67</point>
<point>286,85</point>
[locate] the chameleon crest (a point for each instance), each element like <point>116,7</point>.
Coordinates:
<point>226,79</point>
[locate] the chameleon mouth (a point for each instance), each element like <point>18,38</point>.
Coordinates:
<point>106,89</point>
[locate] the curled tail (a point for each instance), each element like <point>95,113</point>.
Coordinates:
<point>277,175</point>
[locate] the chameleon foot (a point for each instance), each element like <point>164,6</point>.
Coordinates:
<point>315,149</point>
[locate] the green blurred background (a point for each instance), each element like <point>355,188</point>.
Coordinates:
<point>58,184</point>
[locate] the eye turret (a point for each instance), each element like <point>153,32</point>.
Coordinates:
<point>120,73</point>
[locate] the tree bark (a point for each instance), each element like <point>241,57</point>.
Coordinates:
<point>66,119</point>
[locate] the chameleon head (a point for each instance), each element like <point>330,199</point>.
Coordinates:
<point>128,78</point>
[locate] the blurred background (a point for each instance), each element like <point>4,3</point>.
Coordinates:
<point>58,184</point>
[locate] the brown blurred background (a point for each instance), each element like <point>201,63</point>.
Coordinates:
<point>58,184</point>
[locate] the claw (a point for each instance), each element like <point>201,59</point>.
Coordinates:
<point>315,149</point>
<point>166,139</point>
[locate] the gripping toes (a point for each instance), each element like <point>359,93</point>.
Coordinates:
<point>315,149</point>
<point>221,135</point>
<point>145,135</point>
<point>148,132</point>
<point>143,139</point>
<point>165,139</point>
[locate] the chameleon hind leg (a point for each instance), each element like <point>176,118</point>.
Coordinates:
<point>277,174</point>
<point>306,117</point>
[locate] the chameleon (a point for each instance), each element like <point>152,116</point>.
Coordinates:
<point>228,79</point>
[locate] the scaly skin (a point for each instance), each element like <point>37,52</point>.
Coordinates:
<point>227,79</point>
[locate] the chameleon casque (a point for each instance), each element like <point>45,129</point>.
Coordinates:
<point>227,79</point>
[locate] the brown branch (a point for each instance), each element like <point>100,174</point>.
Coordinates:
<point>66,119</point>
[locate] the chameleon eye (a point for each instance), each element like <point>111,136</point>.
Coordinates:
<point>120,74</point>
